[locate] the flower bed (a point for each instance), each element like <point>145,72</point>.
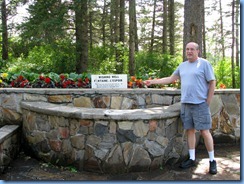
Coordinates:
<point>53,80</point>
<point>72,80</point>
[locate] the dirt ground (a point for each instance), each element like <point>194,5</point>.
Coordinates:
<point>228,160</point>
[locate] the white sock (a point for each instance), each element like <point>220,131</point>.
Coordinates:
<point>211,155</point>
<point>192,154</point>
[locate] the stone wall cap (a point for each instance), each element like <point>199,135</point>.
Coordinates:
<point>163,112</point>
<point>6,131</point>
<point>57,91</point>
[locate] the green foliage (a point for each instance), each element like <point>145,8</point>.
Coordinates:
<point>108,66</point>
<point>238,77</point>
<point>47,22</point>
<point>18,47</point>
<point>72,169</point>
<point>223,73</point>
<point>44,59</point>
<point>102,60</point>
<point>60,58</point>
<point>122,53</point>
<point>30,76</point>
<point>222,70</point>
<point>155,65</point>
<point>97,60</point>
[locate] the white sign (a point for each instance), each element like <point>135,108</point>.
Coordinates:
<point>109,81</point>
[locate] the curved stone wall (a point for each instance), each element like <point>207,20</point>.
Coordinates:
<point>112,130</point>
<point>101,140</point>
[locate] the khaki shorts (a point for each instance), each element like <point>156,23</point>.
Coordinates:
<point>196,116</point>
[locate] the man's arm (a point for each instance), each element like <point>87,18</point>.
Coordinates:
<point>165,80</point>
<point>211,89</point>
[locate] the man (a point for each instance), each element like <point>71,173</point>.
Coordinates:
<point>197,89</point>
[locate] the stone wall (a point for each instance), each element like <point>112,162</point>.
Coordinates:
<point>225,110</point>
<point>11,113</point>
<point>99,143</point>
<point>9,145</point>
<point>100,140</point>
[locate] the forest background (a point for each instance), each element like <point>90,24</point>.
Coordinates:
<point>141,38</point>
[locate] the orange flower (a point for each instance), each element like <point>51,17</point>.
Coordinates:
<point>222,86</point>
<point>133,78</point>
<point>130,84</point>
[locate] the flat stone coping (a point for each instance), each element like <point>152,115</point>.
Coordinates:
<point>7,131</point>
<point>163,112</point>
<point>58,91</point>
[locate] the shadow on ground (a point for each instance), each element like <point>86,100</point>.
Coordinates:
<point>25,168</point>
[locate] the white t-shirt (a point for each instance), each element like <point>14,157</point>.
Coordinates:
<point>194,77</point>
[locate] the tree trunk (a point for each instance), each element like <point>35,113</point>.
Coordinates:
<point>165,25</point>
<point>222,42</point>
<point>116,21</point>
<point>204,52</point>
<point>153,27</point>
<point>136,35</point>
<point>237,31</point>
<point>193,21</point>
<point>122,22</point>
<point>4,31</point>
<point>90,30</point>
<point>119,50</point>
<point>171,27</point>
<point>112,22</point>
<point>232,45</point>
<point>132,37</point>
<point>104,16</point>
<point>81,29</point>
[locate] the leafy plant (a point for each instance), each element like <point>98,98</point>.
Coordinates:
<point>45,59</point>
<point>222,71</point>
<point>21,82</point>
<point>155,65</point>
<point>43,82</point>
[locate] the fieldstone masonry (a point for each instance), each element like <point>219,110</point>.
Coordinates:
<point>112,131</point>
<point>9,145</point>
<point>225,110</point>
<point>102,140</point>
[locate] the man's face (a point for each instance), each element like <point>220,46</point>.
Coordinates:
<point>191,52</point>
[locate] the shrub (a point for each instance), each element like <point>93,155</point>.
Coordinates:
<point>155,65</point>
<point>44,59</point>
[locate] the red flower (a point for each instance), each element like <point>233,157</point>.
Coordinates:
<point>87,80</point>
<point>68,82</point>
<point>23,83</point>
<point>12,83</point>
<point>62,77</point>
<point>41,77</point>
<point>64,85</point>
<point>20,78</point>
<point>47,80</point>
<point>79,84</point>
<point>80,80</point>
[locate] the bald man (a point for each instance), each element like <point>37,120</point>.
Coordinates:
<point>197,89</point>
